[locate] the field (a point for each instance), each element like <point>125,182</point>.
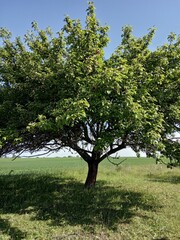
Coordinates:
<point>44,199</point>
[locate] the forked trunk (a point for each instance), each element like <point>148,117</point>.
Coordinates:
<point>92,174</point>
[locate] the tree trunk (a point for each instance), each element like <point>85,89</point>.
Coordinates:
<point>92,174</point>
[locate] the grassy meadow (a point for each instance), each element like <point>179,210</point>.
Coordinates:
<point>44,199</point>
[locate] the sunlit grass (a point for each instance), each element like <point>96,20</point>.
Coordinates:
<point>45,199</point>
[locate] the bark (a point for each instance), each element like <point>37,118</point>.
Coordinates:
<point>92,174</point>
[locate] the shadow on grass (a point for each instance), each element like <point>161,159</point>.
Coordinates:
<point>13,232</point>
<point>65,201</point>
<point>174,179</point>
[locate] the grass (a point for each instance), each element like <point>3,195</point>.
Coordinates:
<point>44,199</point>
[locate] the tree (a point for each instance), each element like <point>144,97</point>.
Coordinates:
<point>60,91</point>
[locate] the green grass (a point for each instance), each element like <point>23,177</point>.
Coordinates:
<point>45,199</point>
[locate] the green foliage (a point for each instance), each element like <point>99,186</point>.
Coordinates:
<point>61,90</point>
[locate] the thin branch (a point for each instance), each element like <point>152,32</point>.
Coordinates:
<point>174,138</point>
<point>161,161</point>
<point>113,150</point>
<point>14,158</point>
<point>92,130</point>
<point>37,155</point>
<point>116,164</point>
<point>87,138</point>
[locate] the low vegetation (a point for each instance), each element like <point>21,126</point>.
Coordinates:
<point>45,199</point>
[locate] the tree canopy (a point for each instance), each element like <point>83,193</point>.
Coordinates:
<point>60,91</point>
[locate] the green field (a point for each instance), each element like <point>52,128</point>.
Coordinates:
<point>44,198</point>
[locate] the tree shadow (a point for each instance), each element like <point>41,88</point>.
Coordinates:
<point>13,232</point>
<point>173,179</point>
<point>65,201</point>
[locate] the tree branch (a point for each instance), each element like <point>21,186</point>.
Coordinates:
<point>87,138</point>
<point>37,155</point>
<point>113,150</point>
<point>116,164</point>
<point>82,152</point>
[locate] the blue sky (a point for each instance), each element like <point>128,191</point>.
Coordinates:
<point>17,15</point>
<point>141,14</point>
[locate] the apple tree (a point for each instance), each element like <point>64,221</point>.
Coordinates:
<point>60,91</point>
